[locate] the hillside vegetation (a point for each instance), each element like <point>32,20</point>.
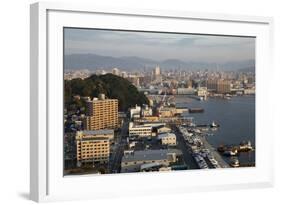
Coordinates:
<point>114,87</point>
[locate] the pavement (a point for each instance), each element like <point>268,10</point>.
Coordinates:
<point>186,150</point>
<point>216,155</point>
<point>115,163</point>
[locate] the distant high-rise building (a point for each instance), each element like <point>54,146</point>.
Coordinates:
<point>189,83</point>
<point>101,114</point>
<point>212,84</point>
<point>223,86</point>
<point>219,85</point>
<point>157,74</point>
<point>157,71</point>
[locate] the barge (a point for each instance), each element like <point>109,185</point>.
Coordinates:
<point>232,150</point>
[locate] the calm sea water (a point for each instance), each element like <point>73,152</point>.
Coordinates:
<point>236,118</point>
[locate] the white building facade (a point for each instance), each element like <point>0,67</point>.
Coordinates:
<point>168,139</point>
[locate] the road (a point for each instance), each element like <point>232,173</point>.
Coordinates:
<point>115,163</point>
<point>186,150</point>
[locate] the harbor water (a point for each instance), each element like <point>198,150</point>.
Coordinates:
<point>236,117</point>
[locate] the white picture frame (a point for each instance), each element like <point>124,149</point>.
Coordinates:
<point>47,182</point>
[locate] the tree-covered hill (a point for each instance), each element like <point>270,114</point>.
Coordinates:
<point>114,87</point>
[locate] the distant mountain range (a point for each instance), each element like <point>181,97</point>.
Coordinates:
<point>131,63</point>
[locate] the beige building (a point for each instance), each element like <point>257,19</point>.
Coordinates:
<point>163,129</point>
<point>250,91</point>
<point>219,85</point>
<point>165,112</point>
<point>93,146</point>
<point>156,71</point>
<point>223,86</point>
<point>185,91</point>
<point>202,91</point>
<point>180,111</point>
<point>146,111</point>
<point>168,139</point>
<point>102,114</point>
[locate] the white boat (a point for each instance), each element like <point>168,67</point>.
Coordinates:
<point>214,125</point>
<point>235,162</point>
<point>231,152</point>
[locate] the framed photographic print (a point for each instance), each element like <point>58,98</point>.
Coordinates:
<point>129,101</point>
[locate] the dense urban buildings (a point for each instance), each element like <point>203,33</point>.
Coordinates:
<point>152,136</point>
<point>159,111</point>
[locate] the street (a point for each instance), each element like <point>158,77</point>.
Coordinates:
<point>186,150</point>
<point>115,163</point>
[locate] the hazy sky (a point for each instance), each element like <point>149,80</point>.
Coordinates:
<point>159,46</point>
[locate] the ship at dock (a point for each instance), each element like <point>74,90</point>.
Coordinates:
<point>213,125</point>
<point>203,153</point>
<point>195,110</point>
<point>245,146</point>
<point>233,132</point>
<point>233,150</point>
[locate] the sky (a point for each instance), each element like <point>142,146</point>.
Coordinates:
<point>159,46</point>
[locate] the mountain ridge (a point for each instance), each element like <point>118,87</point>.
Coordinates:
<point>130,63</point>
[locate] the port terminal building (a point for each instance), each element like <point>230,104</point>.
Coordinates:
<point>132,161</point>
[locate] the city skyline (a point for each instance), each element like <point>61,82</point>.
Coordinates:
<point>159,46</point>
<point>132,114</point>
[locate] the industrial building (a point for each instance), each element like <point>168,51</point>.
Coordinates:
<point>133,161</point>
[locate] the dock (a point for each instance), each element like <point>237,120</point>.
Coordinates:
<point>216,155</point>
<point>202,151</point>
